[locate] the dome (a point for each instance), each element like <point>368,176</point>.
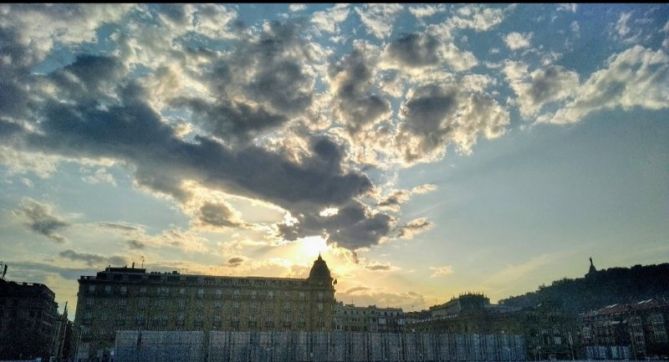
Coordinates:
<point>320,270</point>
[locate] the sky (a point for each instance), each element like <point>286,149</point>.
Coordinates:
<point>424,150</point>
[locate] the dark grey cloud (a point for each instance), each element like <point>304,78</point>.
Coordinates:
<point>355,103</point>
<point>136,244</point>
<point>414,50</point>
<point>87,78</point>
<point>93,110</point>
<point>230,121</point>
<point>219,215</point>
<point>355,289</point>
<point>353,227</point>
<point>436,115</point>
<point>235,262</point>
<point>378,267</point>
<point>270,70</point>
<point>39,218</point>
<point>15,98</point>
<point>93,259</point>
<point>119,226</point>
<point>395,199</point>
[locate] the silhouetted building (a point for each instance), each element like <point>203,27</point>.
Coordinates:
<point>468,313</point>
<point>132,299</point>
<point>28,315</point>
<point>63,341</point>
<point>348,317</point>
<point>623,331</point>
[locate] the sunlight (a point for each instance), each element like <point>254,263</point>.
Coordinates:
<point>311,246</point>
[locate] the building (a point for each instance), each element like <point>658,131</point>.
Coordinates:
<point>548,333</point>
<point>348,317</point>
<point>134,299</point>
<point>623,331</point>
<point>28,315</point>
<point>63,340</point>
<point>468,313</point>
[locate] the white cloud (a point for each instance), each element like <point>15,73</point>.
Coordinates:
<point>517,40</point>
<point>441,271</point>
<point>568,7</point>
<point>425,10</point>
<point>297,7</point>
<point>379,18</point>
<point>328,20</point>
<point>637,77</point>
<point>540,87</point>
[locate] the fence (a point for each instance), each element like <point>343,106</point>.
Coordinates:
<point>335,346</point>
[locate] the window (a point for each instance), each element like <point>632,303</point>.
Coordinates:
<point>219,293</point>
<point>91,288</point>
<point>200,293</point>
<point>108,289</point>
<point>142,290</point>
<point>124,290</point>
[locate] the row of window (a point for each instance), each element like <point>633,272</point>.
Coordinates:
<point>196,279</point>
<point>201,292</point>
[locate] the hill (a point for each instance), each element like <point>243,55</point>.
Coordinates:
<point>599,288</point>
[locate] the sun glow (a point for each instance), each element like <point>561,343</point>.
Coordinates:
<point>311,246</point>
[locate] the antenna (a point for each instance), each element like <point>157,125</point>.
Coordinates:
<point>142,261</point>
<point>4,270</point>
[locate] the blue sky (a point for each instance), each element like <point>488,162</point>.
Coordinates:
<point>425,150</point>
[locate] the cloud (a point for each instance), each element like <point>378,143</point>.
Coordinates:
<point>424,11</point>
<point>64,272</point>
<point>398,197</point>
<point>43,25</point>
<point>623,29</point>
<point>297,7</point>
<point>100,176</point>
<point>136,244</point>
<point>355,289</point>
<point>378,18</point>
<point>636,77</point>
<point>93,259</point>
<point>435,115</point>
<point>441,271</point>
<point>235,262</point>
<point>476,17</point>
<point>218,215</point>
<point>381,267</point>
<point>415,50</point>
<point>40,218</point>
<point>568,7</point>
<point>535,89</point>
<point>233,122</point>
<point>414,227</point>
<point>353,227</point>
<point>119,226</point>
<point>355,103</point>
<point>515,40</point>
<point>328,20</point>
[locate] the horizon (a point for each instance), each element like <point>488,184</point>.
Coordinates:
<point>425,150</point>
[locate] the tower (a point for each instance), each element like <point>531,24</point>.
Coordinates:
<point>320,273</point>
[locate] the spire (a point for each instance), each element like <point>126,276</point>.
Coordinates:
<point>592,269</point>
